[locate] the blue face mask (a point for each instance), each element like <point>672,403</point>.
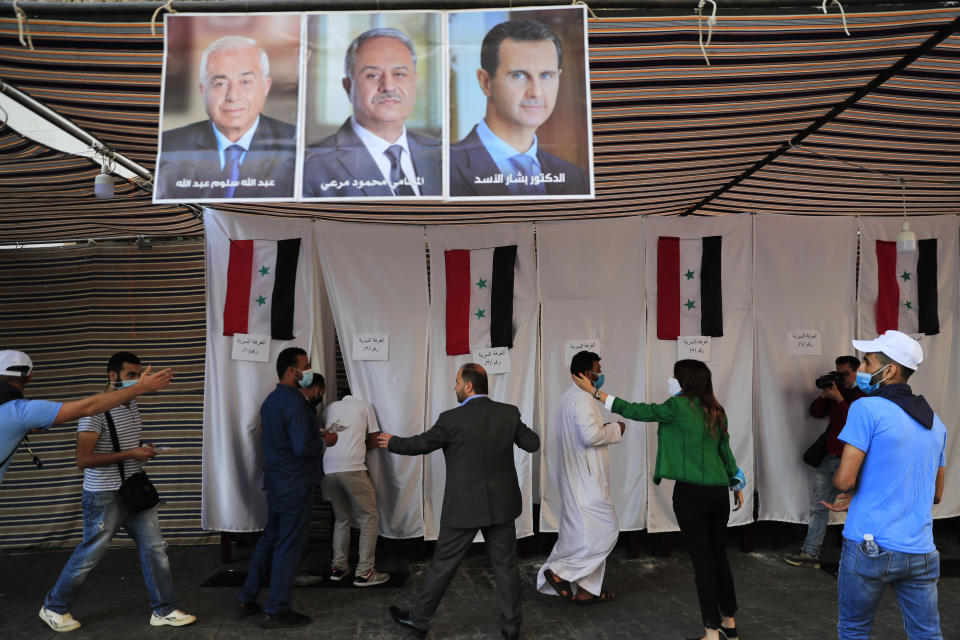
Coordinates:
<point>598,382</point>
<point>306,379</point>
<point>673,387</point>
<point>123,384</point>
<point>866,383</point>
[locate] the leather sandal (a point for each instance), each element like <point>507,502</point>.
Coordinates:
<point>605,596</point>
<point>562,587</point>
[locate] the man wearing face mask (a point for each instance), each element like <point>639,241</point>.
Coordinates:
<point>292,447</point>
<point>832,403</point>
<point>891,474</point>
<point>104,512</point>
<point>588,527</point>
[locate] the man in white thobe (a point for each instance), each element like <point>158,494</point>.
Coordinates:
<point>588,527</point>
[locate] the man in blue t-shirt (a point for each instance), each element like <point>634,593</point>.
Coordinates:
<point>19,416</point>
<point>896,444</point>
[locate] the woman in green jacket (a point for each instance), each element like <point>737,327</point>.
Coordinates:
<point>693,449</point>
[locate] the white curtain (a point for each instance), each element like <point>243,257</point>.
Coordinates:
<point>589,287</point>
<point>516,387</point>
<point>233,498</point>
<point>804,278</point>
<point>731,355</point>
<point>377,280</point>
<point>937,376</point>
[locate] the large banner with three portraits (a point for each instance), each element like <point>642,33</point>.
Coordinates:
<point>425,105</point>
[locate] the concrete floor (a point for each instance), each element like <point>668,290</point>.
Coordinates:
<point>655,595</point>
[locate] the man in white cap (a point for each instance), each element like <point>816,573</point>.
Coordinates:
<point>895,444</point>
<point>19,416</point>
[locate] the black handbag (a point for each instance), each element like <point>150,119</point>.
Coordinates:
<point>816,452</point>
<point>136,492</point>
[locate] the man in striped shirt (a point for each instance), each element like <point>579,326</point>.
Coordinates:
<point>104,513</point>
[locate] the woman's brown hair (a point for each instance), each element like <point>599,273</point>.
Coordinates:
<point>695,380</point>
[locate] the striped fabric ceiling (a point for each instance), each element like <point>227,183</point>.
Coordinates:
<point>672,135</point>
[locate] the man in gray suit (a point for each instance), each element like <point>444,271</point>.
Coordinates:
<point>482,493</point>
<point>373,153</point>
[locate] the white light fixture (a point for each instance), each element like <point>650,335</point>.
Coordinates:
<point>906,239</point>
<point>103,183</point>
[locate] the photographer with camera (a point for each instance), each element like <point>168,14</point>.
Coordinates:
<point>838,389</point>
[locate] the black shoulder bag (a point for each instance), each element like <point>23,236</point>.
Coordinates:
<point>137,492</point>
<point>816,452</point>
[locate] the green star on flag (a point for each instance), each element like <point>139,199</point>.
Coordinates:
<point>689,304</point>
<point>480,314</point>
<point>264,270</point>
<point>481,283</point>
<point>688,275</point>
<point>261,301</point>
<point>908,305</point>
<point>905,275</point>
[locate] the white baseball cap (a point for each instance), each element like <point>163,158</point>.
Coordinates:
<point>15,363</point>
<point>897,346</point>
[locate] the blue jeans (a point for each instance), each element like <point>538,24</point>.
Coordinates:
<point>863,579</point>
<point>103,515</point>
<point>276,557</point>
<point>823,489</point>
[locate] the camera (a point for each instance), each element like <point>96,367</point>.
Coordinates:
<point>827,380</point>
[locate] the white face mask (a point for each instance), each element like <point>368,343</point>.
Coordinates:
<point>673,386</point>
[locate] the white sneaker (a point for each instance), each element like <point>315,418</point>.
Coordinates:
<point>175,618</point>
<point>59,621</point>
<point>370,578</point>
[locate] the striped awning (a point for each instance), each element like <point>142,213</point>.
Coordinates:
<point>672,135</point>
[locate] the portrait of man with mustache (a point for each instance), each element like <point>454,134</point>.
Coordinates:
<point>520,68</point>
<point>373,154</point>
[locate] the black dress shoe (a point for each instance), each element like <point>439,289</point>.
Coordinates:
<point>509,636</point>
<point>243,609</point>
<point>402,617</point>
<point>288,618</point>
<point>730,633</point>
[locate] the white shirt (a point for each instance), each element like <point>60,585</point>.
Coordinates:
<point>356,418</point>
<point>223,142</point>
<point>377,148</point>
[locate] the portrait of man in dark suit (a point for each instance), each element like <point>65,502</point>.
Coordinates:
<point>520,68</point>
<point>373,154</point>
<point>481,494</point>
<point>237,153</point>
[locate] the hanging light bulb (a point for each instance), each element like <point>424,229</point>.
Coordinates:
<point>103,183</point>
<point>906,239</point>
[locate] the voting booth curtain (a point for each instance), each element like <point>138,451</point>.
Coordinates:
<point>778,305</point>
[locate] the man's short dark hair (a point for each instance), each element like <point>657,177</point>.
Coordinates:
<point>117,360</point>
<point>884,359</point>
<point>475,375</point>
<point>344,392</point>
<point>522,30</point>
<point>852,361</point>
<point>583,361</point>
<point>287,359</point>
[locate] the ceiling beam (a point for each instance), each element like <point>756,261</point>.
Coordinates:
<point>922,49</point>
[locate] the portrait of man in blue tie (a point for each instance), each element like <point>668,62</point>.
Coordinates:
<point>238,152</point>
<point>521,63</point>
<point>374,153</point>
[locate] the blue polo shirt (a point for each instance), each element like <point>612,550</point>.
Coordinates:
<point>894,497</point>
<point>17,418</point>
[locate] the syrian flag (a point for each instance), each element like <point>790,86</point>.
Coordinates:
<point>479,298</point>
<point>261,278</point>
<point>689,300</point>
<point>907,288</point>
